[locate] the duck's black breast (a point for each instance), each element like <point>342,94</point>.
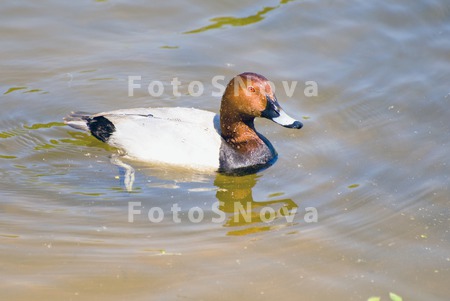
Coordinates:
<point>241,163</point>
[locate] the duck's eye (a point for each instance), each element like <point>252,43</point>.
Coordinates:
<point>251,89</point>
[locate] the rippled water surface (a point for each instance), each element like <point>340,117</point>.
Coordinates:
<point>372,159</point>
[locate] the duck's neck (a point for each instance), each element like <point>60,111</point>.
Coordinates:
<point>240,134</point>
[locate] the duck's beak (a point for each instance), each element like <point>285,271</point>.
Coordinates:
<point>275,113</point>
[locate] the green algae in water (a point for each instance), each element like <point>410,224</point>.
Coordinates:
<point>9,235</point>
<point>392,297</point>
<point>395,297</point>
<point>220,22</point>
<point>169,47</point>
<point>275,194</point>
<point>33,91</point>
<point>38,126</point>
<point>4,135</point>
<point>88,193</point>
<point>12,89</point>
<point>22,130</point>
<point>88,71</point>
<point>47,146</point>
<point>7,157</point>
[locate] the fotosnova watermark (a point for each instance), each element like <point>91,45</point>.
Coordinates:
<point>196,88</point>
<point>242,213</point>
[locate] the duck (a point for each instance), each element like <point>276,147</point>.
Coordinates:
<point>191,138</point>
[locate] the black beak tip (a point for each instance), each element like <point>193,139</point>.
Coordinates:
<point>297,125</point>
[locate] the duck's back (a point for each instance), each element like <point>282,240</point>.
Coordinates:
<point>180,136</point>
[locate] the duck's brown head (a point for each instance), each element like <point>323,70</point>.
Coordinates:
<point>249,95</point>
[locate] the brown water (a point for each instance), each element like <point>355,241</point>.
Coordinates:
<point>372,158</point>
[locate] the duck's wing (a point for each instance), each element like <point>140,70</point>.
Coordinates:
<point>80,120</point>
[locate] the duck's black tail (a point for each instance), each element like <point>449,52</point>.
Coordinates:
<point>99,126</point>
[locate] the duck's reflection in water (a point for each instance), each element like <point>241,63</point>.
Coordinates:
<point>235,198</point>
<point>237,209</point>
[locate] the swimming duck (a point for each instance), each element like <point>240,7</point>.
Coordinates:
<point>193,138</point>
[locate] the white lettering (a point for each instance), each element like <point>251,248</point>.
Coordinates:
<point>159,215</point>
<point>132,211</point>
<point>199,212</point>
<point>175,84</point>
<point>216,84</point>
<point>311,216</point>
<point>311,89</point>
<point>200,88</point>
<point>289,90</point>
<point>220,213</point>
<point>175,209</point>
<point>159,91</point>
<point>262,214</point>
<point>132,85</point>
<point>246,213</point>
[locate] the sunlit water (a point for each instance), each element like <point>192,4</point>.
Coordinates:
<point>372,158</point>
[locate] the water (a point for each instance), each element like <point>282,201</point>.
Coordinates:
<point>372,158</point>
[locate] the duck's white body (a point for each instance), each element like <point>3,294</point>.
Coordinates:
<point>178,136</point>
